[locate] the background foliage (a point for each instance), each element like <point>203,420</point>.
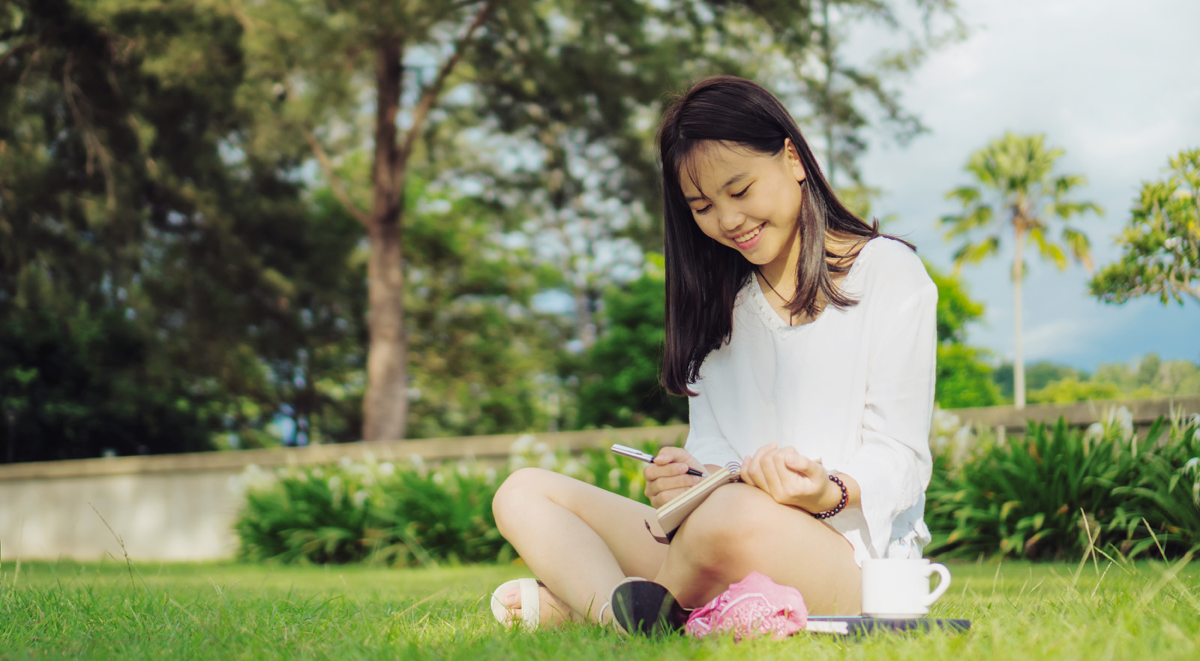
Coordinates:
<point>1053,494</point>
<point>1058,492</point>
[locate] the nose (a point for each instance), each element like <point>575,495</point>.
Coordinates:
<point>731,220</point>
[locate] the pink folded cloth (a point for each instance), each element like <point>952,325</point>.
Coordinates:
<point>754,606</point>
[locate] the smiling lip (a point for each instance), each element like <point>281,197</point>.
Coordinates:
<point>754,236</point>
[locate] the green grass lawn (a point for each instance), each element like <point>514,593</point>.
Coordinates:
<point>228,611</point>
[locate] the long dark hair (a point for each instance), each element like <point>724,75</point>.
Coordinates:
<point>703,276</point>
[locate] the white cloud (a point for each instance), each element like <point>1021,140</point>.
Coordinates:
<point>1117,85</point>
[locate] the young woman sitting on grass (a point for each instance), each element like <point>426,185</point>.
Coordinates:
<point>805,341</point>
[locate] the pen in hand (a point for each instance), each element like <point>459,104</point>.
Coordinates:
<point>627,451</point>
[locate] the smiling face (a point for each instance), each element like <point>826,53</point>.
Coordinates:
<point>747,200</point>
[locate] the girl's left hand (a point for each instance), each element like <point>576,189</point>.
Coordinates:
<point>791,478</point>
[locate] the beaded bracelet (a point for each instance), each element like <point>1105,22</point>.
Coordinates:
<point>840,506</point>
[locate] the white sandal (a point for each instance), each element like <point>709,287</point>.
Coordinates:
<point>531,603</point>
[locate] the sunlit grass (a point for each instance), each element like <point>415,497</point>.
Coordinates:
<point>1020,611</point>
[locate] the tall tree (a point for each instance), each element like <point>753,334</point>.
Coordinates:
<point>153,281</point>
<point>838,92</point>
<point>1161,243</point>
<point>315,62</point>
<point>574,87</point>
<point>580,86</point>
<point>1017,191</point>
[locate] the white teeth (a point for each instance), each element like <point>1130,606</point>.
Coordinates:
<point>748,235</point>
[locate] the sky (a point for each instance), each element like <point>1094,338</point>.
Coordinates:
<point>1114,83</point>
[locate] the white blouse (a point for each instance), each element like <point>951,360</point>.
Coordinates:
<point>853,387</point>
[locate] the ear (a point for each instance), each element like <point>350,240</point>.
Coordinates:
<point>793,160</point>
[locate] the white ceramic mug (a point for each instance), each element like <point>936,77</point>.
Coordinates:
<point>900,588</point>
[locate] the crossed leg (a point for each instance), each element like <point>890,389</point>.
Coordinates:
<point>581,541</point>
<point>578,539</point>
<point>740,529</point>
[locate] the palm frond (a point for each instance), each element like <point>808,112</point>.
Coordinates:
<point>973,253</point>
<point>1048,249</point>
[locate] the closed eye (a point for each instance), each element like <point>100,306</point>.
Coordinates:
<point>743,192</point>
<point>701,211</point>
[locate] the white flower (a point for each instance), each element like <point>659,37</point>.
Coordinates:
<point>418,463</point>
<point>335,483</point>
<point>548,461</point>
<point>614,479</point>
<point>439,479</point>
<point>1192,465</point>
<point>945,422</point>
<point>1124,420</point>
<point>318,473</point>
<point>521,445</point>
<point>345,462</point>
<point>387,468</point>
<point>516,462</point>
<point>360,498</point>
<point>540,448</point>
<point>489,476</point>
<point>573,468</point>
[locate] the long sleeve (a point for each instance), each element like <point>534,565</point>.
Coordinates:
<point>893,464</point>
<point>705,440</point>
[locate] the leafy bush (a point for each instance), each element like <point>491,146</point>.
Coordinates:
<point>1167,488</point>
<point>1054,493</point>
<point>402,515</point>
<point>1058,491</point>
<point>354,512</point>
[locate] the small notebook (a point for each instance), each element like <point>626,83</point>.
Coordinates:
<point>848,626</point>
<point>672,515</point>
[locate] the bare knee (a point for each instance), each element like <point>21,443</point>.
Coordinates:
<point>728,525</point>
<point>515,494</point>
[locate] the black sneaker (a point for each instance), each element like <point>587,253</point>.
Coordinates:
<point>645,607</point>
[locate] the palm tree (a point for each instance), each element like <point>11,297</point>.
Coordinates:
<point>1016,185</point>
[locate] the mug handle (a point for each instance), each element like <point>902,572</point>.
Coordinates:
<point>943,583</point>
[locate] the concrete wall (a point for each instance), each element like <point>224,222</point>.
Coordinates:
<point>159,516</point>
<point>181,507</point>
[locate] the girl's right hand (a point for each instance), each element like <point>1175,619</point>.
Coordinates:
<point>667,477</point>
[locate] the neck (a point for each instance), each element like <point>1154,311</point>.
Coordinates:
<point>780,273</point>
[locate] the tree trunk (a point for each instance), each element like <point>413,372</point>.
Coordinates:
<point>585,323</point>
<point>385,405</point>
<point>1019,358</point>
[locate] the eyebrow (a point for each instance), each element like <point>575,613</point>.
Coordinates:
<point>732,180</point>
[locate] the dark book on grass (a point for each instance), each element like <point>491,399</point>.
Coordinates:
<point>861,624</point>
<point>672,515</point>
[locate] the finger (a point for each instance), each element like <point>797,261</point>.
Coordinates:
<point>744,472</point>
<point>810,468</point>
<point>655,472</point>
<point>793,484</point>
<point>676,482</point>
<point>671,454</point>
<point>662,468</point>
<point>774,481</point>
<point>753,468</point>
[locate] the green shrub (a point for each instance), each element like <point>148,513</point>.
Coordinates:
<point>351,512</point>
<point>1051,494</point>
<point>1166,491</point>
<point>1057,491</point>
<point>402,515</point>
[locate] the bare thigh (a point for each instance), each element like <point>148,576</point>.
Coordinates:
<point>579,539</point>
<point>740,529</point>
